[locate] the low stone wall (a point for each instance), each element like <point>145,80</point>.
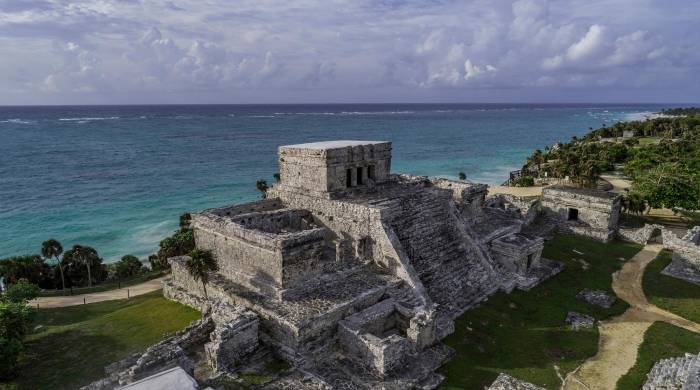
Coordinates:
<point>234,337</point>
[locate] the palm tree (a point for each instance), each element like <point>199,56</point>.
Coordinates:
<point>261,185</point>
<point>462,176</point>
<point>52,249</point>
<point>85,255</point>
<point>199,264</point>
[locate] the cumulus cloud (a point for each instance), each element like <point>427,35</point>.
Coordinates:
<point>415,48</point>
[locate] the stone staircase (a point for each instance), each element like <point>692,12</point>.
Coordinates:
<point>679,373</point>
<point>450,267</point>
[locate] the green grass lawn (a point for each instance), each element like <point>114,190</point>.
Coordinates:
<point>675,295</point>
<point>524,333</point>
<point>661,341</point>
<point>73,344</point>
<point>150,275</point>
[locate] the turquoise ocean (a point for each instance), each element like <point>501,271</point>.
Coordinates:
<point>117,177</point>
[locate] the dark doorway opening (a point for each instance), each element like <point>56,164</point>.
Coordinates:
<point>370,172</point>
<point>656,237</point>
<point>573,214</point>
<point>529,261</point>
<point>359,176</point>
<point>348,178</point>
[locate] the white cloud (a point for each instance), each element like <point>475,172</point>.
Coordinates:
<point>588,45</point>
<point>110,47</point>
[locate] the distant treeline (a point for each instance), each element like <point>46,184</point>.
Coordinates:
<point>82,266</point>
<point>690,111</point>
<point>665,170</point>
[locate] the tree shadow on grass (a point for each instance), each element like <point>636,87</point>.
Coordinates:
<point>66,360</point>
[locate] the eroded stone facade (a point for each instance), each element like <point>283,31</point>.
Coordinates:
<point>588,212</point>
<point>353,274</point>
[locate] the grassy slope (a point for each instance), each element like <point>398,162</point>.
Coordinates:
<point>524,333</point>
<point>75,343</point>
<point>675,295</point>
<point>661,341</point>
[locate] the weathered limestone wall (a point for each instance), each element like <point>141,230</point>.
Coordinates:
<point>517,253</point>
<point>598,211</point>
<point>375,337</point>
<point>470,197</point>
<point>234,337</point>
<point>322,167</point>
<point>265,261</point>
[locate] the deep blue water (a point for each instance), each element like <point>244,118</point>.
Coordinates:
<point>117,177</point>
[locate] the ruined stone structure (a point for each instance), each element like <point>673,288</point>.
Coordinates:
<point>588,212</point>
<point>679,373</point>
<point>686,249</point>
<point>353,274</point>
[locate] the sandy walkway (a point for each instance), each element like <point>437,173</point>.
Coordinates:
<point>620,185</point>
<point>137,289</point>
<point>621,336</point>
<point>517,191</point>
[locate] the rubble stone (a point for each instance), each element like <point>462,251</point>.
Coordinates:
<point>578,320</point>
<point>596,297</point>
<point>679,373</point>
<point>507,382</point>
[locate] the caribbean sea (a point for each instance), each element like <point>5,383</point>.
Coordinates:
<point>117,177</point>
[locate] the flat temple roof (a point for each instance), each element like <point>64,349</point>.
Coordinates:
<point>325,145</point>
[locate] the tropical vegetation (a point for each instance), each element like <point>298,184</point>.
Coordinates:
<point>664,173</point>
<point>15,323</point>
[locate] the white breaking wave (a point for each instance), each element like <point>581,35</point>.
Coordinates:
<point>20,121</point>
<point>85,119</point>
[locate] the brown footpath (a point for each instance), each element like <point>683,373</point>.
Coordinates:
<point>621,336</point>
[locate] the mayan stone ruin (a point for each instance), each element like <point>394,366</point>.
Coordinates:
<point>353,274</point>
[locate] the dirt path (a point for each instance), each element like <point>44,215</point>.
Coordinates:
<point>131,291</point>
<point>517,191</point>
<point>620,185</point>
<point>621,336</point>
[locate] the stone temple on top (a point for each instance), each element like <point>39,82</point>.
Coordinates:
<point>354,274</point>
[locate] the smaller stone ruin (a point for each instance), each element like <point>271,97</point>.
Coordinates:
<point>587,212</point>
<point>382,336</point>
<point>679,373</point>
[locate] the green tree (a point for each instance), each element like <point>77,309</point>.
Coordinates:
<point>86,256</point>
<point>462,176</point>
<point>179,244</point>
<point>277,177</point>
<point>128,266</point>
<point>185,221</point>
<point>21,291</point>
<point>30,267</point>
<point>669,185</point>
<point>199,264</point>
<point>634,203</point>
<point>15,322</point>
<point>52,249</point>
<point>262,186</point>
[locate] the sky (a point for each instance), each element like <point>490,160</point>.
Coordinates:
<point>306,51</point>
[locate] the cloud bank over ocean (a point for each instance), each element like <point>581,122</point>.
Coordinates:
<point>111,51</point>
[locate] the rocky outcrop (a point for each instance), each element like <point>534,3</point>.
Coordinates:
<point>679,373</point>
<point>596,297</point>
<point>507,382</point>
